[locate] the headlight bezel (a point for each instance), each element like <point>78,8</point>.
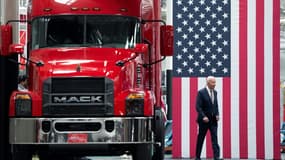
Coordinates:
<point>135,104</point>
<point>23,104</point>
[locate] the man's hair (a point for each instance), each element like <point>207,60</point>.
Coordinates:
<point>22,78</point>
<point>209,78</point>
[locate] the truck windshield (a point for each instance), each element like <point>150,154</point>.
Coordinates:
<point>85,31</point>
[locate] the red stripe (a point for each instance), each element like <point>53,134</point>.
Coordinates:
<point>276,79</point>
<point>176,89</point>
<point>243,135</point>
<point>193,115</point>
<point>260,150</point>
<point>226,118</point>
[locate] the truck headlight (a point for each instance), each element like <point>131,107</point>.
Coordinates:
<point>23,104</point>
<point>135,104</point>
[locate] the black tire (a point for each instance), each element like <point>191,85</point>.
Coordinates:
<point>142,152</point>
<point>159,134</point>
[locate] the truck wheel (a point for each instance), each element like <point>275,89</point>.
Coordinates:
<point>142,152</point>
<point>159,133</point>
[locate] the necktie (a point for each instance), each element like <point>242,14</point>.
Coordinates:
<point>212,96</point>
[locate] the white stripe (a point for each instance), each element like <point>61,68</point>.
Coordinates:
<point>268,79</point>
<point>169,13</point>
<point>219,89</point>
<point>185,119</point>
<point>201,84</point>
<point>251,75</point>
<point>235,79</point>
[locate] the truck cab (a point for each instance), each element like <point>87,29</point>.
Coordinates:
<point>94,79</point>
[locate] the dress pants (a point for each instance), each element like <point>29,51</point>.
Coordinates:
<point>212,125</point>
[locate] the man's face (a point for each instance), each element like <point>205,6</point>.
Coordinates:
<point>211,83</point>
<point>25,83</point>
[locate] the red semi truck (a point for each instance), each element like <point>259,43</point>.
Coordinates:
<point>94,79</point>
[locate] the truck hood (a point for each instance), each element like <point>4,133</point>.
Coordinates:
<point>81,61</point>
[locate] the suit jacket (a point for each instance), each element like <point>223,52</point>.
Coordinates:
<point>205,107</point>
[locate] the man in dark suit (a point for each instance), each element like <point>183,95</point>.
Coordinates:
<point>208,116</point>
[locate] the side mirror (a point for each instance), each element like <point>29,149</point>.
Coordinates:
<point>166,40</point>
<point>16,49</point>
<point>5,39</point>
<point>141,48</point>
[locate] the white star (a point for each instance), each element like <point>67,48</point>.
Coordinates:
<point>225,2</point>
<point>185,50</point>
<point>219,63</point>
<point>190,15</point>
<point>179,56</point>
<point>219,8</point>
<point>190,2</point>
<point>190,57</point>
<point>213,70</point>
<point>225,70</point>
<point>208,63</point>
<point>214,15</point>
<point>179,16</point>
<point>208,49</point>
<point>185,64</point>
<point>179,43</point>
<point>225,56</point>
<point>225,43</point>
<point>178,70</point>
<point>202,29</point>
<point>213,29</point>
<point>185,36</point>
<point>190,70</point>
<point>208,9</point>
<point>219,22</point>
<point>207,36</point>
<point>185,9</point>
<point>202,43</point>
<point>213,43</point>
<point>225,29</point>
<point>190,43</point>
<point>196,63</point>
<point>202,15</point>
<point>185,23</point>
<point>213,2</point>
<point>207,22</point>
<point>213,56</point>
<point>196,36</point>
<point>202,56</point>
<point>179,2</point>
<point>196,9</point>
<point>196,22</point>
<point>219,50</point>
<point>202,2</point>
<point>196,50</point>
<point>179,29</point>
<point>202,70</point>
<point>225,15</point>
<point>190,29</point>
<point>219,36</point>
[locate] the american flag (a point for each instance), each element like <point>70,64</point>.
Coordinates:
<point>238,42</point>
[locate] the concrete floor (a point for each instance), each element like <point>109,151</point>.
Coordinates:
<point>125,157</point>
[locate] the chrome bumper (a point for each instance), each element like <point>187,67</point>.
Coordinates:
<point>125,130</point>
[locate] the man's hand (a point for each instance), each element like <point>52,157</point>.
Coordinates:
<point>205,119</point>
<point>217,118</point>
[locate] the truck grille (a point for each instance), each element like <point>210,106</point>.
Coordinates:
<point>78,96</point>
